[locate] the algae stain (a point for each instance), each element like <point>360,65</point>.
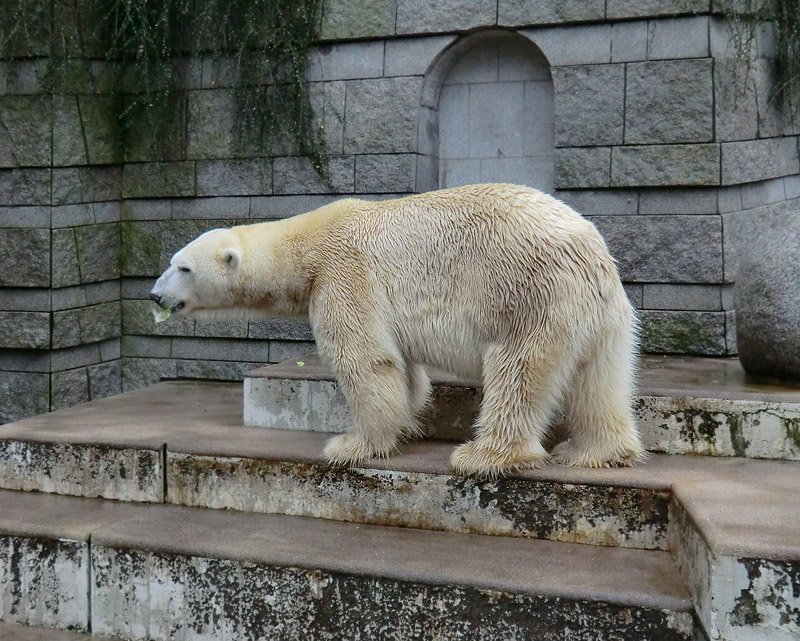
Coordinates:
<point>738,441</point>
<point>792,428</point>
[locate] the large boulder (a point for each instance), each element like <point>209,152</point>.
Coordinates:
<point>767,300</point>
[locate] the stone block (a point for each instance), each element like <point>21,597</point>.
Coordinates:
<point>419,16</point>
<point>736,108</point>
<point>210,124</point>
<point>141,248</point>
<point>665,165</point>
<point>221,329</point>
<point>74,357</point>
<point>98,250</point>
<point>146,346</point>
<point>214,370</point>
<point>629,41</point>
<point>100,322</point>
<point>500,135</point>
<point>601,202</point>
<point>774,115</point>
<point>220,349</point>
<point>23,394</point>
<point>729,199</point>
<point>25,186</point>
<point>110,350</point>
<point>583,167</point>
<point>156,139</point>
<point>296,175</point>
<point>669,102</point>
<point>346,19</point>
<point>24,77</point>
<point>763,193</point>
<point>234,177</point>
<point>328,104</point>
<point>105,380</point>
<point>69,388</point>
<point>86,184</point>
<point>284,350</point>
<point>682,332</point>
<point>24,330</point>
<point>427,173</point>
<point>24,257</point>
<point>665,249</point>
<point>516,13</point>
<point>69,147</point>
<point>453,119</point>
<point>141,372</point>
<point>454,172</point>
<point>102,130</point>
<point>150,209</point>
<point>579,45</point>
<point>281,329</point>
<point>72,215</point>
<point>25,300</point>
<point>413,56</point>
<point>671,38</point>
<point>589,105</point>
<point>634,293</point>
<point>533,172</point>
<point>213,208</point>
<point>381,115</point>
<point>385,173</point>
<point>616,9</point>
<point>29,361</point>
<point>66,329</point>
<point>753,160</point>
<point>25,124</point>
<point>158,180</point>
<point>701,298</point>
<point>347,61</point>
<point>24,217</point>
<point>677,201</point>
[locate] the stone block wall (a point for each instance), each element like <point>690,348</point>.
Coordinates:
<point>658,132</point>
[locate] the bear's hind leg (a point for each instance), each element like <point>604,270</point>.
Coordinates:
<point>599,416</point>
<point>522,388</point>
<point>378,394</point>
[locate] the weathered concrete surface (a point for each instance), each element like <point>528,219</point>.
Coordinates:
<point>13,632</point>
<point>522,507</point>
<point>685,406</point>
<point>226,575</point>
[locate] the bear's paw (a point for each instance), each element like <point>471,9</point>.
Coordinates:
<point>348,449</point>
<point>477,459</point>
<point>573,454</point>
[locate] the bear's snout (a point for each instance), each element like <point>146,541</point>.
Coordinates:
<point>156,299</point>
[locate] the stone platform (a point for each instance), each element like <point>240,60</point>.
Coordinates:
<point>674,547</point>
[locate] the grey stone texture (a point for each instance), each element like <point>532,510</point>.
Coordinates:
<point>583,167</point>
<point>25,186</point>
<point>86,184</point>
<point>629,41</point>
<point>683,332</point>
<point>25,330</point>
<point>768,301</point>
<point>23,394</point>
<point>666,249</point>
<point>413,56</point>
<point>515,13</point>
<point>298,176</point>
<point>24,130</point>
<point>736,104</point>
<point>616,9</point>
<point>347,61</point>
<point>381,115</point>
<point>682,297</point>
<point>665,165</point>
<point>24,257</point>
<point>234,177</point>
<point>754,160</point>
<point>669,102</point>
<point>158,180</point>
<point>589,105</point>
<point>346,19</point>
<point>391,173</point>
<point>678,201</point>
<point>559,44</point>
<point>671,38</point>
<point>419,16</point>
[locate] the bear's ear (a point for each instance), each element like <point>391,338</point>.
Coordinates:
<point>232,257</point>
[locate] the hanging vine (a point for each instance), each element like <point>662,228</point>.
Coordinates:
<point>146,55</point>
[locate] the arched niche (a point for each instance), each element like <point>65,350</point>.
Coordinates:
<point>487,114</point>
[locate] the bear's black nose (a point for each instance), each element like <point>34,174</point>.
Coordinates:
<point>156,298</point>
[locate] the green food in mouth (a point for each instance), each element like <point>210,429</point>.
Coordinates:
<point>161,314</point>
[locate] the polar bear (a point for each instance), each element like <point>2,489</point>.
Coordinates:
<point>495,281</point>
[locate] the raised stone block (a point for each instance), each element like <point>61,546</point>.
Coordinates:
<point>213,370</point>
<point>683,332</point>
<point>392,173</point>
<point>25,330</point>
<point>98,252</point>
<point>234,177</point>
<point>69,388</point>
<point>25,257</point>
<point>347,19</point>
<point>616,9</point>
<point>669,102</point>
<point>583,167</point>
<point>328,104</point>
<point>105,379</point>
<point>589,105</point>
<point>158,180</point>
<point>512,13</point>
<point>141,248</point>
<point>735,101</point>
<point>666,249</point>
<point>753,160</point>
<point>101,129</point>
<point>25,127</point>
<point>25,186</point>
<point>297,175</point>
<point>23,394</point>
<point>86,184</point>
<point>419,16</point>
<point>143,372</point>
<point>665,165</point>
<point>381,115</point>
<point>210,124</point>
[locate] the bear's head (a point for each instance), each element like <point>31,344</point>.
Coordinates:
<point>202,278</point>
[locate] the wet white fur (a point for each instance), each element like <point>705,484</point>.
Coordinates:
<point>497,281</point>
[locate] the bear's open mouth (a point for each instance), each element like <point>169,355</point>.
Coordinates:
<point>178,307</point>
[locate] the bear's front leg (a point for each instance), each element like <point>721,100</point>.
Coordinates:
<point>378,394</point>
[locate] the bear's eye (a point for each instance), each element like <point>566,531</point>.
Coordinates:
<point>184,269</point>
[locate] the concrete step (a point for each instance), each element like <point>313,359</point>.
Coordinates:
<point>141,571</point>
<point>12,632</point>
<point>685,405</point>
